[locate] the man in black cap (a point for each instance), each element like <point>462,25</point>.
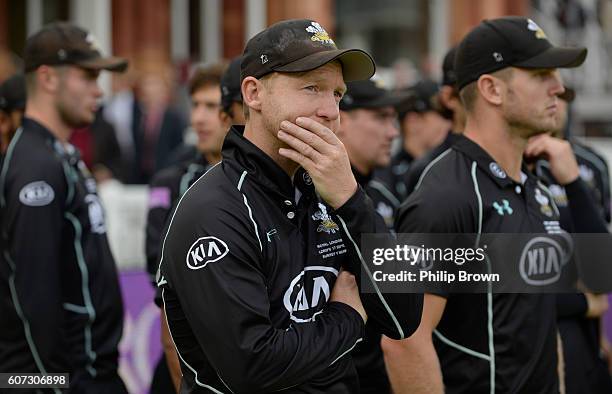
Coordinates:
<point>367,129</point>
<point>448,104</point>
<point>255,264</point>
<point>422,128</point>
<point>581,211</point>
<point>485,343</point>
<point>168,185</point>
<point>12,106</point>
<point>232,111</point>
<point>61,306</point>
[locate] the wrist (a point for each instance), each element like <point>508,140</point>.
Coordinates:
<point>341,199</point>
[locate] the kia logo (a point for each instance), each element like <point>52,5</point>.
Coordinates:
<point>205,250</point>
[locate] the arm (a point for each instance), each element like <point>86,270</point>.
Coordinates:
<point>35,226</point>
<point>583,209</point>
<point>319,151</point>
<point>170,352</point>
<point>161,199</point>
<point>395,315</point>
<point>248,352</point>
<point>412,363</point>
<point>560,364</point>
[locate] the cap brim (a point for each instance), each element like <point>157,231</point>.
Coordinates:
<point>116,64</point>
<point>389,99</point>
<point>556,57</point>
<point>357,65</point>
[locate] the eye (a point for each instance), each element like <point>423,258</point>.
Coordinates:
<point>338,94</point>
<point>312,88</point>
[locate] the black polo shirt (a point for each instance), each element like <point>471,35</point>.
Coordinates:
<point>368,355</point>
<point>60,305</point>
<point>581,211</point>
<point>165,189</point>
<point>247,270</point>
<point>593,172</point>
<point>485,342</point>
<point>385,201</point>
<point>418,166</point>
<point>395,175</point>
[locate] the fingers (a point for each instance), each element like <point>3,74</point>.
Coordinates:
<point>305,135</point>
<point>297,157</point>
<point>321,131</point>
<point>299,145</point>
<point>535,148</point>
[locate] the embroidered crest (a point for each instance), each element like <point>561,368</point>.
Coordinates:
<point>539,33</point>
<point>327,224</point>
<point>319,34</point>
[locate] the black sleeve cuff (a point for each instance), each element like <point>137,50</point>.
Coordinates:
<point>571,305</point>
<point>349,312</point>
<point>354,204</point>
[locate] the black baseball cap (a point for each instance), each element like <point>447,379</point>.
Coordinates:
<point>299,45</point>
<point>418,98</point>
<point>230,84</point>
<point>449,76</point>
<point>13,94</point>
<point>510,41</point>
<point>64,43</point>
<point>368,94</point>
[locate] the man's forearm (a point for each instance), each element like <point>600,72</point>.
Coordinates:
<point>172,360</point>
<point>413,366</point>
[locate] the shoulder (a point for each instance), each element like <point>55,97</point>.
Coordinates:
<point>445,199</point>
<point>590,155</point>
<point>212,200</point>
<point>30,161</point>
<point>168,177</point>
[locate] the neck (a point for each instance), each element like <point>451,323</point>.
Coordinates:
<point>413,148</point>
<point>362,168</point>
<point>261,138</point>
<point>458,124</point>
<point>46,115</point>
<point>498,140</point>
<point>212,157</point>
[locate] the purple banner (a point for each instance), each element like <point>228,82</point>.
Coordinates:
<point>140,347</point>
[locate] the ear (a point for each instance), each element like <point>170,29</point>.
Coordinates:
<point>491,89</point>
<point>445,96</point>
<point>47,79</point>
<point>252,90</point>
<point>226,122</point>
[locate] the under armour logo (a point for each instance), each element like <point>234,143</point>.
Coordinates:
<point>264,59</point>
<point>498,57</point>
<point>505,207</point>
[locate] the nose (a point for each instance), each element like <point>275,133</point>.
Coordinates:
<point>98,91</point>
<point>392,129</point>
<point>197,115</point>
<point>557,86</point>
<point>328,108</point>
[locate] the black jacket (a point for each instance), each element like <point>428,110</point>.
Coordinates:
<point>246,275</point>
<point>60,304</point>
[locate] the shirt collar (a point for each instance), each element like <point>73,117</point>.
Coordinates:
<point>38,129</point>
<point>65,150</point>
<point>487,164</point>
<point>259,166</point>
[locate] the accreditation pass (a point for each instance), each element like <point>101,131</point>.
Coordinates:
<point>34,380</point>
